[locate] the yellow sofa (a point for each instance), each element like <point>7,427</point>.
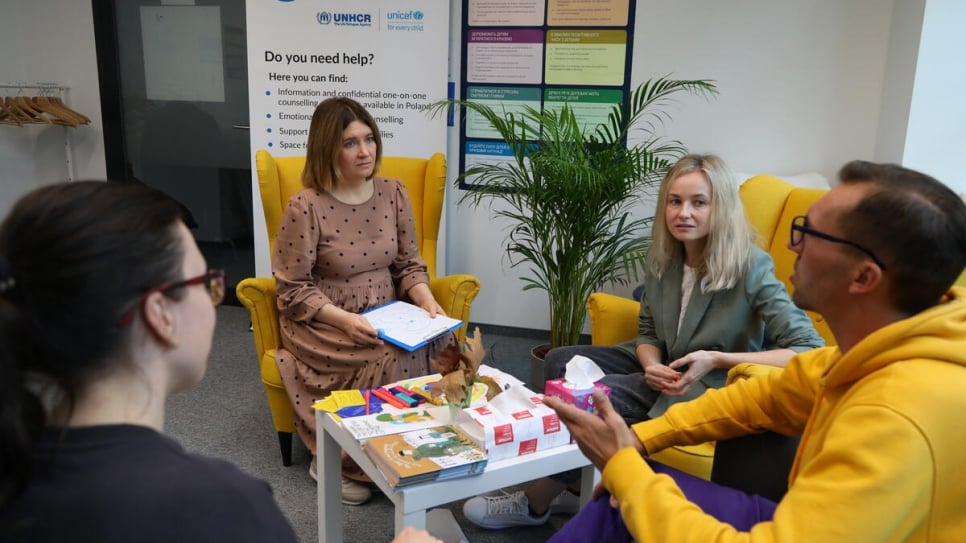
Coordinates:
<point>770,204</point>
<point>281,177</point>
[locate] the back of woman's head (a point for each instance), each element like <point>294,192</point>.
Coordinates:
<point>332,116</point>
<point>73,258</point>
<point>730,236</point>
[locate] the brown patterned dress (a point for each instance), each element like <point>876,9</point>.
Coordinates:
<point>356,256</point>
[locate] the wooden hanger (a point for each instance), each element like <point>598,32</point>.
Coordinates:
<point>7,116</point>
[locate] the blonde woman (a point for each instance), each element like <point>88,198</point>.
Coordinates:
<point>710,296</point>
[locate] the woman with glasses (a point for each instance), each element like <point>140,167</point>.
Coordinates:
<point>106,310</point>
<point>710,296</point>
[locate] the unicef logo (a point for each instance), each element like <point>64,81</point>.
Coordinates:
<point>324,17</point>
<point>418,15</point>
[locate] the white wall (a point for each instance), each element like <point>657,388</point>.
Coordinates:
<point>937,118</point>
<point>800,83</point>
<point>52,42</point>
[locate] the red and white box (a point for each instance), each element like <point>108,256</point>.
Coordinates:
<point>514,423</point>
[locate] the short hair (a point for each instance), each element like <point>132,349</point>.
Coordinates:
<point>914,223</point>
<point>75,256</point>
<point>332,116</point>
<point>730,236</point>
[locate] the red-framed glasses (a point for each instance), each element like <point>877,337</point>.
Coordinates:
<point>213,280</point>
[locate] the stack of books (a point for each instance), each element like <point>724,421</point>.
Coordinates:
<point>427,454</point>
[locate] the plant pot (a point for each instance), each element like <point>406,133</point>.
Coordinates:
<point>537,376</point>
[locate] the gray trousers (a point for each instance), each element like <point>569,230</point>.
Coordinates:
<point>630,395</point>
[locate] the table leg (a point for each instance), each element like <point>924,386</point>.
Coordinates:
<point>416,519</point>
<point>330,487</point>
<point>589,477</point>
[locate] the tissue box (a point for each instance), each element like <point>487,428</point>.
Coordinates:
<point>580,398</point>
<point>514,423</point>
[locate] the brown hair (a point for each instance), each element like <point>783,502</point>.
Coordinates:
<point>330,119</point>
<point>914,223</point>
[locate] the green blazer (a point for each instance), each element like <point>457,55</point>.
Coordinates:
<point>732,320</point>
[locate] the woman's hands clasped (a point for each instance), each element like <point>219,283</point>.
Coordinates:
<point>671,380</point>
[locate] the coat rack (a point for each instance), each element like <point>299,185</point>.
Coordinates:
<point>29,104</point>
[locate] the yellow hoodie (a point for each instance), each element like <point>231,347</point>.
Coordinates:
<point>883,450</point>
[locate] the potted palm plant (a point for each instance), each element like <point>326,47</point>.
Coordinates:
<point>568,191</point>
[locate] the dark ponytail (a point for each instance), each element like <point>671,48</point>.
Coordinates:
<point>73,258</point>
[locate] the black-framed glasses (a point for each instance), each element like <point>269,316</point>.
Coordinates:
<point>800,228</point>
<point>213,280</point>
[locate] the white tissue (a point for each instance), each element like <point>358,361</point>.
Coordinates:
<point>582,373</point>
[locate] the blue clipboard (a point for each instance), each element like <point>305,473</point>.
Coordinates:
<point>408,326</point>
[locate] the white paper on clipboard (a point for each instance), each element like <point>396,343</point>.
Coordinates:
<point>407,325</point>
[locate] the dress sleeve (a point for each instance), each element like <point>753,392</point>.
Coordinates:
<point>787,325</point>
<point>408,268</point>
<point>299,299</point>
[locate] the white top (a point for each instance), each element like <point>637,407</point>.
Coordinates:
<point>687,285</point>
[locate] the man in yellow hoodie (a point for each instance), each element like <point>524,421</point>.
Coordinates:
<point>881,457</point>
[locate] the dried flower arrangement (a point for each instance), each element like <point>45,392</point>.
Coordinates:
<point>459,367</point>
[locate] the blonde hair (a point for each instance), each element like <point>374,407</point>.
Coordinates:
<point>331,118</point>
<point>730,237</point>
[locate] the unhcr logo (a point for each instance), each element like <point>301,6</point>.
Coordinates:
<point>344,19</point>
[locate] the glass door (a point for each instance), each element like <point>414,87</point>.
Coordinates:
<point>174,88</point>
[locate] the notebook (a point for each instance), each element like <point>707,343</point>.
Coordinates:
<point>407,325</point>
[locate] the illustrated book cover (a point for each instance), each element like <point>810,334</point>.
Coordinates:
<point>429,454</point>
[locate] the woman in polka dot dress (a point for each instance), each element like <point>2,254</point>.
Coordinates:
<point>347,243</point>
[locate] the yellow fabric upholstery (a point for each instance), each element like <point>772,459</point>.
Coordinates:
<point>281,177</point>
<point>770,204</point>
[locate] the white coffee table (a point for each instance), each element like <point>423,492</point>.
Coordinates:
<point>412,501</point>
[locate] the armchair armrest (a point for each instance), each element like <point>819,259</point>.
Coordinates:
<point>613,319</point>
<point>455,293</point>
<point>258,295</point>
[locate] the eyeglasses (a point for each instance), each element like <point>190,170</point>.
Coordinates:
<point>800,228</point>
<point>213,280</point>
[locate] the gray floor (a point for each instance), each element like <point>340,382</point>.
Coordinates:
<point>227,416</point>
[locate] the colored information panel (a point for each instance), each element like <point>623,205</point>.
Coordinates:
<point>505,12</point>
<point>501,99</point>
<point>590,106</point>
<point>485,152</point>
<point>585,57</point>
<point>504,56</point>
<point>541,54</point>
<point>587,12</point>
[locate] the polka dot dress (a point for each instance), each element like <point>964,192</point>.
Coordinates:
<point>356,256</point>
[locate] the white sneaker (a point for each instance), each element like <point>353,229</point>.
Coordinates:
<point>496,512</point>
<point>353,493</point>
<point>567,503</point>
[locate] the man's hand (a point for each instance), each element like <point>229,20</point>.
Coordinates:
<point>599,438</point>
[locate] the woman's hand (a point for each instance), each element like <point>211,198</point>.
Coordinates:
<point>660,377</point>
<point>423,297</point>
<point>353,325</point>
<point>699,364</point>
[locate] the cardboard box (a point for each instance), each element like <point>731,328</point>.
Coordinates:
<point>514,423</point>
<point>581,398</point>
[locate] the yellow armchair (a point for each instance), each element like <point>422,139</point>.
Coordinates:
<point>281,177</point>
<point>770,204</point>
